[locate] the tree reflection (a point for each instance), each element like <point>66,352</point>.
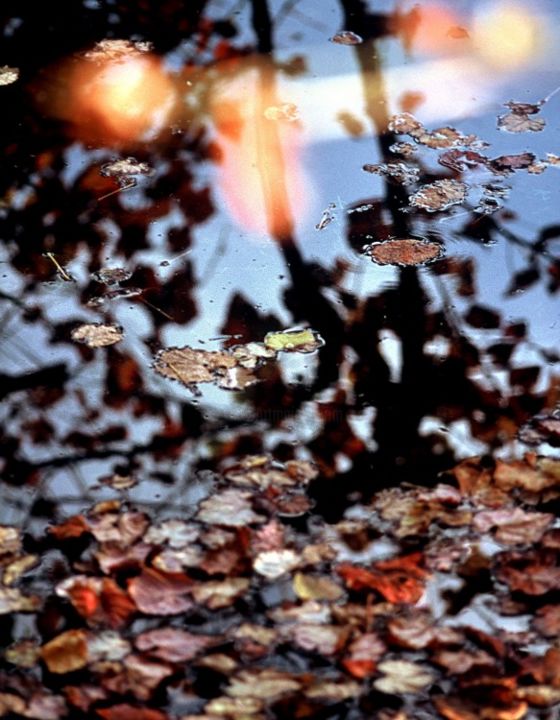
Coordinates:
<point>68,406</point>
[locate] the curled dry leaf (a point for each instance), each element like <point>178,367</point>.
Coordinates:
<point>229,507</point>
<point>98,334</point>
<point>8,75</point>
<point>439,195</point>
<point>404,252</point>
<point>302,341</point>
<point>346,37</point>
<point>402,676</point>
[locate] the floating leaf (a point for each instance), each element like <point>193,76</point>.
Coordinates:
<point>266,684</point>
<point>509,163</point>
<point>518,123</point>
<point>364,654</point>
<point>439,195</point>
<point>126,166</point>
<point>346,37</point>
<point>398,172</point>
<point>285,111</point>
<point>158,594</point>
<point>98,334</point>
<point>402,676</point>
<point>117,50</point>
<point>111,276</point>
<point>404,124</point>
<point>218,594</point>
<point>311,587</point>
<point>404,251</point>
<point>13,601</point>
<point>303,341</point>
<point>229,507</point>
<point>244,707</point>
<point>8,75</point>
<point>405,149</point>
<point>191,366</point>
<point>514,525</point>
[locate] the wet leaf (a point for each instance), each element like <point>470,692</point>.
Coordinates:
<point>124,171</point>
<point>405,149</point>
<point>172,644</point>
<point>191,366</point>
<point>518,123</point>
<point>74,527</point>
<point>217,594</point>
<point>235,707</point>
<point>363,655</point>
<point>13,601</point>
<point>275,563</point>
<point>459,662</point>
<point>10,540</point>
<point>44,706</point>
<point>66,652</point>
<point>461,160</point>
<point>8,75</point>
<point>413,632</point>
<point>460,708</point>
<point>333,691</point>
<point>398,172</point>
<point>111,276</point>
<point>547,621</point>
<point>312,587</point>
<point>402,676</point>
<point>117,50</point>
<point>18,567</point>
<point>97,334</point>
<point>398,581</point>
<point>25,653</point>
<point>303,341</point>
<point>404,124</point>
<point>439,195</point>
<point>107,645</point>
<point>513,525</point>
<point>124,711</point>
<point>266,684</point>
<point>229,507</point>
<point>322,639</point>
<point>157,594</point>
<point>346,37</point>
<point>404,252</point>
<point>509,163</point>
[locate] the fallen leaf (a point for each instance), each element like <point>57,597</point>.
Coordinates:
<point>458,662</point>
<point>404,252</point>
<point>191,366</point>
<point>66,652</point>
<point>547,621</point>
<point>303,341</point>
<point>125,167</point>
<point>398,172</point>
<point>231,508</point>
<point>111,276</point>
<point>172,644</point>
<point>117,50</point>
<point>13,601</point>
<point>514,525</point>
<point>266,684</point>
<point>18,567</point>
<point>244,707</point>
<point>346,37</point>
<point>518,123</point>
<point>124,711</point>
<point>402,676</point>
<point>218,594</point>
<point>510,163</point>
<point>439,195</point>
<point>333,691</point>
<point>275,563</point>
<point>412,632</point>
<point>24,653</point>
<point>97,334</point>
<point>10,540</point>
<point>157,594</point>
<point>322,639</point>
<point>312,587</point>
<point>8,75</point>
<point>364,654</point>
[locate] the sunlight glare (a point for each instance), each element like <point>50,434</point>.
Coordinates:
<point>507,36</point>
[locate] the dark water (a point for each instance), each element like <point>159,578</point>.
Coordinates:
<point>249,216</point>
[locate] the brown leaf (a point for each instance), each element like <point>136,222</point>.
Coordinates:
<point>402,676</point>
<point>459,662</point>
<point>414,632</point>
<point>124,711</point>
<point>97,335</point>
<point>157,594</point>
<point>74,527</point>
<point>510,163</point>
<point>229,507</point>
<point>404,252</point>
<point>312,587</point>
<point>364,654</point>
<point>346,37</point>
<point>439,195</point>
<point>172,644</point>
<point>10,540</point>
<point>266,684</point>
<point>220,594</point>
<point>322,639</point>
<point>547,621</point>
<point>514,525</point>
<point>13,600</point>
<point>66,652</point>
